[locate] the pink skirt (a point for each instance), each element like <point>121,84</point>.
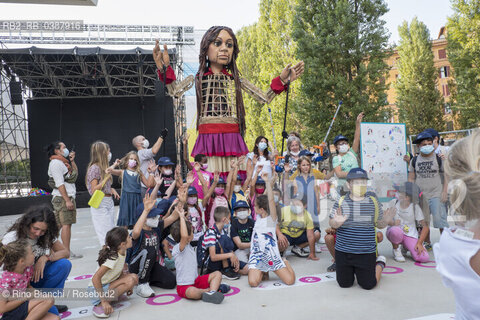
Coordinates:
<point>220,145</point>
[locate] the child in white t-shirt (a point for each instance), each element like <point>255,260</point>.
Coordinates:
<point>403,231</point>
<point>207,287</point>
<point>458,253</point>
<point>112,273</point>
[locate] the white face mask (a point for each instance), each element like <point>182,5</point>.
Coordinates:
<point>109,156</point>
<point>294,153</point>
<point>276,198</point>
<point>237,188</point>
<point>297,209</point>
<point>167,172</point>
<point>242,214</point>
<point>153,222</point>
<point>145,143</point>
<point>344,148</point>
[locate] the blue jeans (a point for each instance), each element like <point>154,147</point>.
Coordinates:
<point>438,210</point>
<point>54,275</point>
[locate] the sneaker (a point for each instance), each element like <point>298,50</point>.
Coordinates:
<point>213,297</point>
<point>332,268</point>
<point>74,256</point>
<point>427,246</point>
<point>61,308</point>
<point>322,239</point>
<point>224,288</point>
<point>99,313</point>
<point>300,252</point>
<point>318,248</point>
<point>144,290</point>
<point>404,250</point>
<point>229,274</point>
<point>381,261</point>
<point>398,256</point>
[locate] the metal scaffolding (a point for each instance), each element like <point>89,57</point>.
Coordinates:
<point>79,73</point>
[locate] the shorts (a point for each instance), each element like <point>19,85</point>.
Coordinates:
<point>19,313</point>
<point>62,214</point>
<point>95,299</point>
<point>201,282</point>
<point>298,240</point>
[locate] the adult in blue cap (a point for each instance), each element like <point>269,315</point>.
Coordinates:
<point>146,154</point>
<point>241,230</point>
<point>426,170</point>
<point>165,168</point>
<point>346,158</point>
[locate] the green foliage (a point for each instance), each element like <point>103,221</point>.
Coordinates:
<point>344,46</point>
<point>419,102</point>
<point>16,171</point>
<point>464,55</point>
<point>266,47</point>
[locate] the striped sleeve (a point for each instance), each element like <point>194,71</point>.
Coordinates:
<point>209,239</point>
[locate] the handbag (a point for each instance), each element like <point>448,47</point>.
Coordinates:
<point>98,195</point>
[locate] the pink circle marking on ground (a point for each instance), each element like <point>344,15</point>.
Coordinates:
<point>235,291</point>
<point>397,270</point>
<point>422,264</point>
<point>151,301</point>
<point>309,279</point>
<point>65,314</point>
<point>85,276</point>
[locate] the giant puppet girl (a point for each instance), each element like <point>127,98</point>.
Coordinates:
<point>218,86</point>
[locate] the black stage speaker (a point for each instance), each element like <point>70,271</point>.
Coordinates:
<point>16,92</point>
<point>80,122</point>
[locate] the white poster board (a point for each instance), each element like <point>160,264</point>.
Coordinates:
<point>382,147</point>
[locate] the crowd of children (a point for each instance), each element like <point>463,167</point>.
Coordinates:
<point>212,227</point>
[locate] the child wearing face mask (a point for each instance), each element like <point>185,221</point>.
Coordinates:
<point>165,168</point>
<point>214,198</point>
<point>354,217</point>
<point>194,215</point>
<point>238,186</point>
<point>143,258</point>
<point>130,177</point>
<point>346,158</point>
<point>257,188</point>
<point>241,230</point>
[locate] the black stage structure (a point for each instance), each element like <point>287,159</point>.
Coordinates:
<point>81,95</point>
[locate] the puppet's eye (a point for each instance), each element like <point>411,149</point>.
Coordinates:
<point>229,45</point>
<point>217,43</point>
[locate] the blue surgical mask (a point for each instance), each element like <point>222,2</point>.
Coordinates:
<point>427,149</point>
<point>227,225</point>
<point>262,146</point>
<point>66,152</point>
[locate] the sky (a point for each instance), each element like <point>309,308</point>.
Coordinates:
<point>202,13</point>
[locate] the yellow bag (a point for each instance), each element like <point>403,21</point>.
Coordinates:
<point>98,195</point>
<point>96,198</point>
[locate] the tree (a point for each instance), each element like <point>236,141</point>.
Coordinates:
<point>344,46</point>
<point>419,103</point>
<point>266,47</point>
<point>464,54</point>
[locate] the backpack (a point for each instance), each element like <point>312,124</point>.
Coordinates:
<point>440,168</point>
<point>204,255</point>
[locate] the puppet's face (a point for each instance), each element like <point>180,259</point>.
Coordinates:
<point>220,51</point>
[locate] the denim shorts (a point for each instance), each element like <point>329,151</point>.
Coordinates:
<point>96,300</point>
<point>438,211</point>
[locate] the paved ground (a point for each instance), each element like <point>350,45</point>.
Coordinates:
<point>413,292</point>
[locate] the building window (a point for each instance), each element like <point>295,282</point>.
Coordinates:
<point>447,108</point>
<point>442,54</point>
<point>444,72</point>
<point>446,91</point>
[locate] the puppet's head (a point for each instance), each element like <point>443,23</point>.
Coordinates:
<point>211,41</point>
